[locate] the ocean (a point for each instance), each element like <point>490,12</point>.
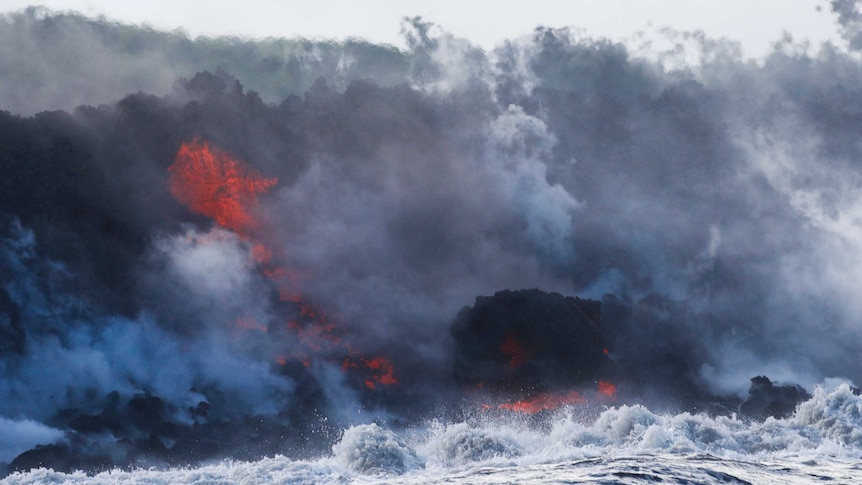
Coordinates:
<point>820,442</point>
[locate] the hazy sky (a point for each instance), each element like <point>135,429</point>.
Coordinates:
<point>755,23</point>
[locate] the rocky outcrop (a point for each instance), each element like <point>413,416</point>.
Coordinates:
<point>765,399</point>
<point>527,340</point>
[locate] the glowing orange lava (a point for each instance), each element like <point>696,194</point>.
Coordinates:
<point>607,389</point>
<point>545,401</point>
<point>384,372</point>
<point>381,370</point>
<point>287,282</point>
<point>514,349</point>
<point>317,335</point>
<point>212,183</point>
<point>550,400</point>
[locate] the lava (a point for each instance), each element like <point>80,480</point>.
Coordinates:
<point>514,349</point>
<point>381,370</point>
<point>286,281</point>
<point>318,335</point>
<point>549,400</point>
<point>212,183</point>
<point>545,401</point>
<point>607,390</point>
<point>384,372</point>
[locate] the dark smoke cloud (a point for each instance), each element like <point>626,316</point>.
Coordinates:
<point>712,205</point>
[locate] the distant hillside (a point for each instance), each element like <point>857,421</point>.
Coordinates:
<point>51,60</point>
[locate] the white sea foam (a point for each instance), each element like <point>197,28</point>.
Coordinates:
<point>372,449</point>
<point>820,441</point>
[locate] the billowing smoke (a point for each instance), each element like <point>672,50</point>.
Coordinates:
<point>209,265</point>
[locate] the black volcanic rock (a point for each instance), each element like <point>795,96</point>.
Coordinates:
<point>657,349</point>
<point>59,457</point>
<point>765,399</point>
<point>11,333</point>
<point>55,457</point>
<point>527,340</point>
<point>143,432</point>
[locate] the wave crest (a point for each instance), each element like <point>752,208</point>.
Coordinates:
<point>371,449</point>
<point>835,415</point>
<point>461,443</point>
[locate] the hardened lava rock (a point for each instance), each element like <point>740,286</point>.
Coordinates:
<point>766,399</point>
<point>527,340</point>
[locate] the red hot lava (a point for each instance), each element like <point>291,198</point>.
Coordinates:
<point>607,390</point>
<point>212,183</point>
<point>384,372</point>
<point>545,401</point>
<point>514,349</point>
<point>551,400</point>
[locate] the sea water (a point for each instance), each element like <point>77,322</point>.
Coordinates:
<point>628,444</point>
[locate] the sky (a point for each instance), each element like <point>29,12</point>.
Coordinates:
<point>756,24</point>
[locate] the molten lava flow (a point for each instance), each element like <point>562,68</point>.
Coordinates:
<point>548,401</point>
<point>607,390</point>
<point>317,335</point>
<point>213,184</point>
<point>381,370</point>
<point>514,349</point>
<point>321,336</point>
<point>384,372</point>
<point>545,401</point>
<point>287,282</point>
<point>261,254</point>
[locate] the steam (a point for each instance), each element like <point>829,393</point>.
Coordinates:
<point>82,356</point>
<point>711,201</point>
<point>19,436</point>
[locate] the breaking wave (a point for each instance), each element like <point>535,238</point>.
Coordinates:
<point>461,443</point>
<point>371,449</point>
<point>823,432</point>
